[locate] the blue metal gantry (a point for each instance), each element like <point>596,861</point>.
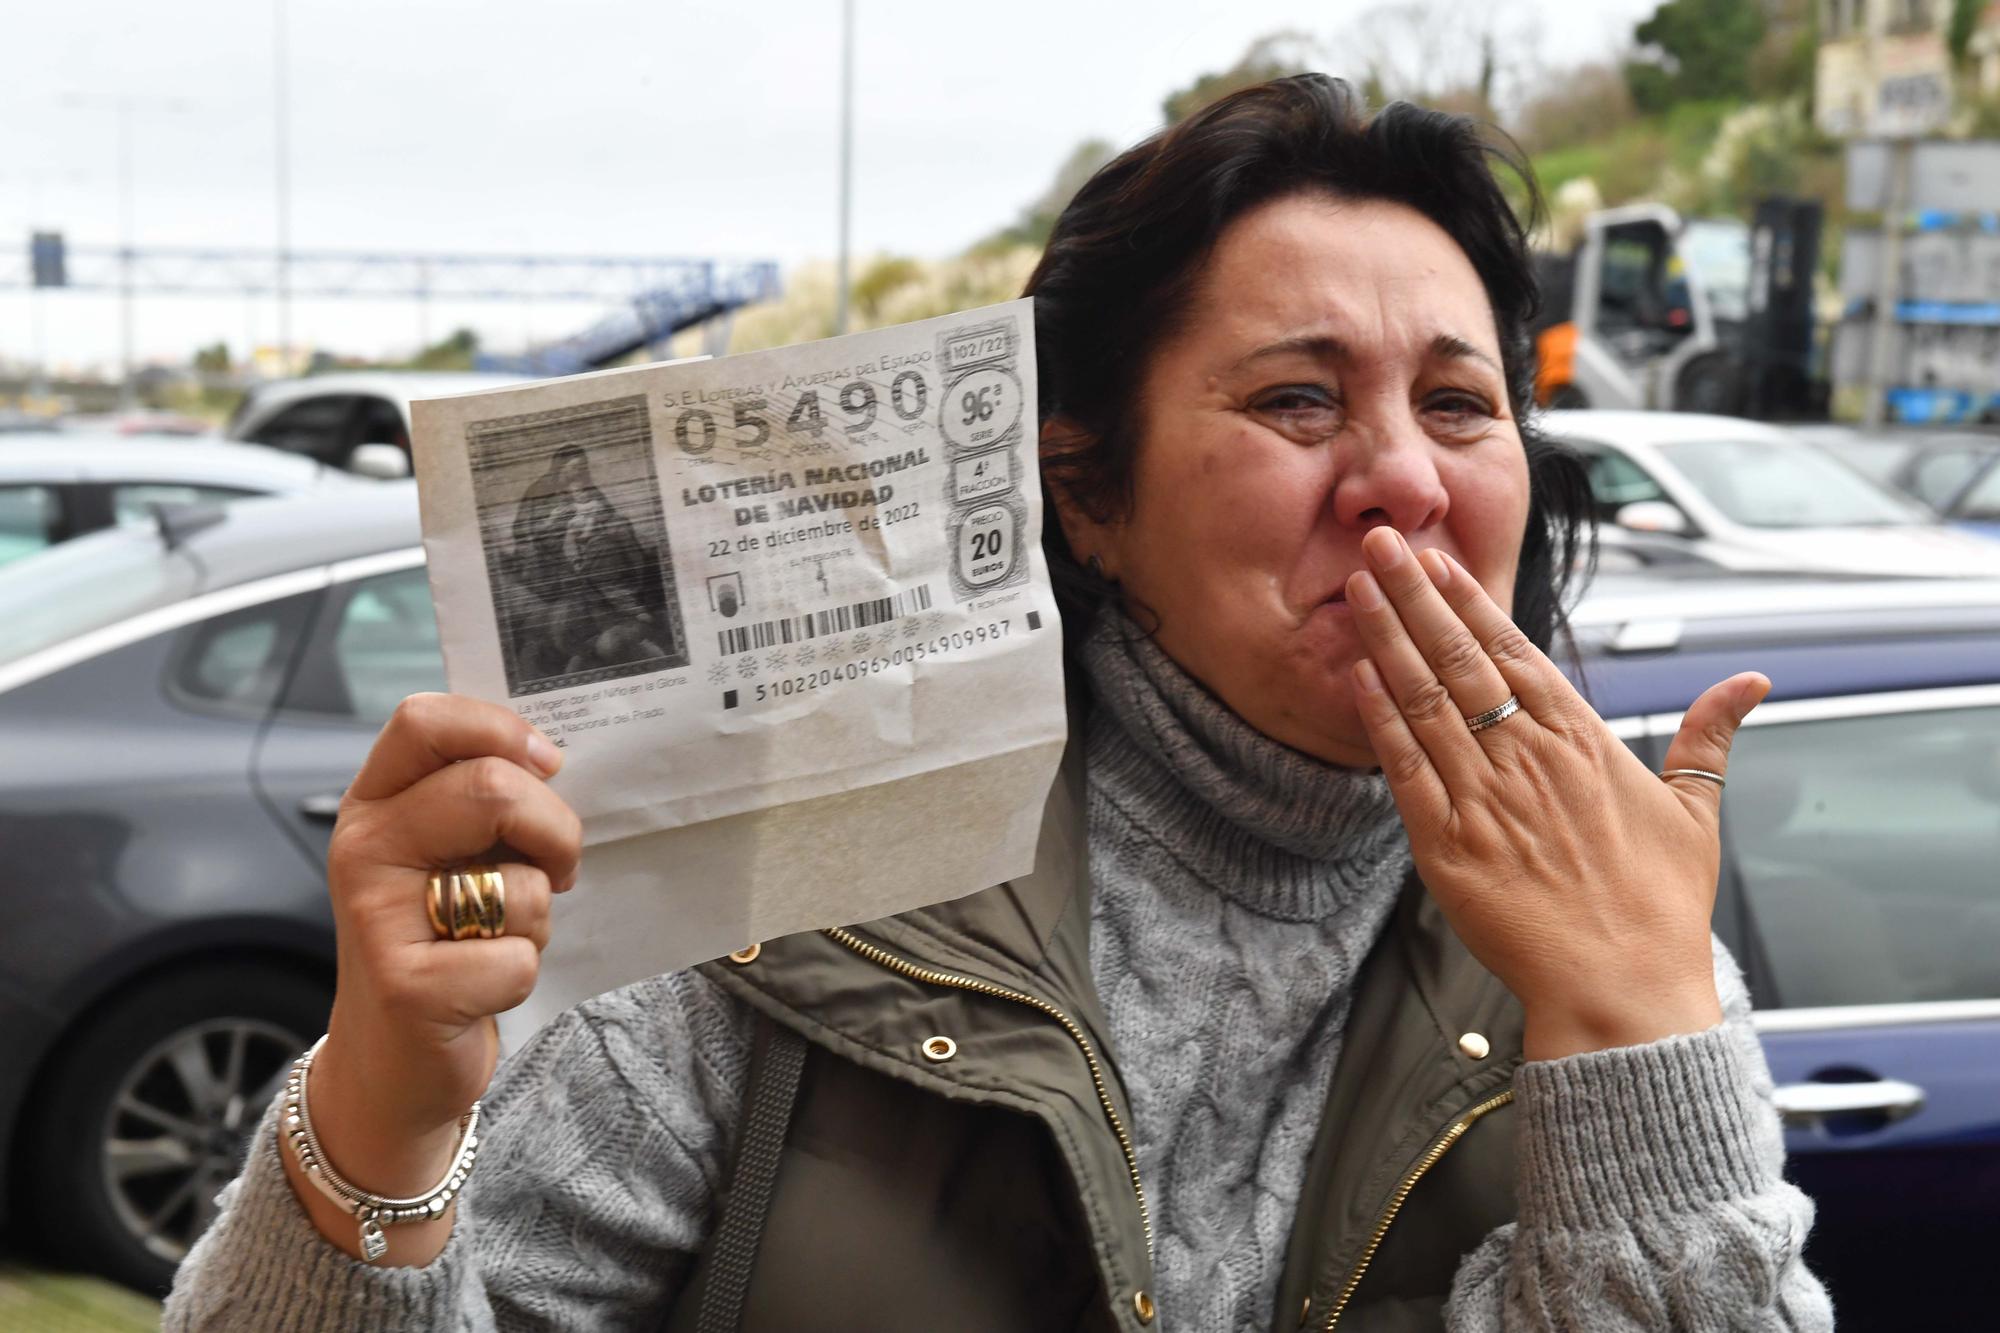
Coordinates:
<point>652,298</point>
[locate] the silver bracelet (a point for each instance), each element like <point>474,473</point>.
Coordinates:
<point>372,1211</point>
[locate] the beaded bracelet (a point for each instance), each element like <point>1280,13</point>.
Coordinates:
<point>372,1211</point>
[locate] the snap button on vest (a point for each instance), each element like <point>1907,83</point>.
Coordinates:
<point>1142,1305</point>
<point>1475,1046</point>
<point>748,955</point>
<point>939,1048</point>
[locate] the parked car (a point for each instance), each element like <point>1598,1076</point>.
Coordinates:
<point>1748,496</point>
<point>329,417</point>
<point>1954,472</point>
<point>1859,890</point>
<point>182,721</point>
<point>55,487</point>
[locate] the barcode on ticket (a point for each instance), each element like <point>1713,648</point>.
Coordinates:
<point>833,620</point>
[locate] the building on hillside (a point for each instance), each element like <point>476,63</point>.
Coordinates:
<point>1884,70</point>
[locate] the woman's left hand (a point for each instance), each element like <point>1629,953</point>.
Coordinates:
<point>1576,875</point>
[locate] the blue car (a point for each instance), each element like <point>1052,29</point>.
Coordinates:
<point>1860,890</point>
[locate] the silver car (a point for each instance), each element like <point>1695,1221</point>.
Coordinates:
<point>1743,495</point>
<point>331,417</point>
<point>57,486</point>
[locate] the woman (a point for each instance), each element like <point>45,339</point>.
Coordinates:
<point>1254,1073</point>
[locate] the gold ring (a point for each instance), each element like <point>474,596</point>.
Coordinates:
<point>469,903</point>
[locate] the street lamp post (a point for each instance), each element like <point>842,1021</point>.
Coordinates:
<point>283,134</point>
<point>846,156</point>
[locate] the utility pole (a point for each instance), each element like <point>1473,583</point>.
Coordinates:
<point>283,136</point>
<point>128,387</point>
<point>846,157</point>
<point>1888,282</point>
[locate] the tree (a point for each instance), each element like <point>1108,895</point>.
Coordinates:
<point>1695,50</point>
<point>1581,104</point>
<point>1475,60</point>
<point>1272,56</point>
<point>212,360</point>
<point>1959,28</point>
<point>453,353</point>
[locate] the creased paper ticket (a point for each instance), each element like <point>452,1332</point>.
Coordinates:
<point>787,615</point>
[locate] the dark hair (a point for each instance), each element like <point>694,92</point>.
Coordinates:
<point>1124,258</point>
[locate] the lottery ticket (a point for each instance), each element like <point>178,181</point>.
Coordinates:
<point>787,615</point>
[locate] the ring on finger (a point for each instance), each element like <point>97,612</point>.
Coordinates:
<point>1702,773</point>
<point>1493,717</point>
<point>468,903</point>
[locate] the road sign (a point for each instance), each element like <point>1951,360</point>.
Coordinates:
<point>46,259</point>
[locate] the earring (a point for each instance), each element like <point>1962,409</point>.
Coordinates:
<point>1095,565</point>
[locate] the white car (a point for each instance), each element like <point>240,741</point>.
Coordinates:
<point>1744,495</point>
<point>331,417</point>
<point>57,486</point>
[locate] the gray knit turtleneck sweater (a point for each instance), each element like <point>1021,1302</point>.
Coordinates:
<point>1225,947</point>
<point>1237,886</point>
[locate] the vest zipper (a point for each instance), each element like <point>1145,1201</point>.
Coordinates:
<point>1452,1134</point>
<point>883,958</point>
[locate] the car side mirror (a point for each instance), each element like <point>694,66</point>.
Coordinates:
<point>1656,516</point>
<point>384,462</point>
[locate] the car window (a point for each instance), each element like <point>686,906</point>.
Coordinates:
<point>377,644</point>
<point>1938,477</point>
<point>380,422</point>
<point>1616,481</point>
<point>238,660</point>
<point>28,517</point>
<point>1786,484</point>
<point>1867,849</point>
<point>316,427</point>
<point>132,501</point>
<point>387,644</point>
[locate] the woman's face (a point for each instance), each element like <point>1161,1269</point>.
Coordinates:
<point>1338,370</point>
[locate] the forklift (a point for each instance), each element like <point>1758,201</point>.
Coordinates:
<point>1708,315</point>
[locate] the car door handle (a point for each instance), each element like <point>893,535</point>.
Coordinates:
<point>324,807</point>
<point>1805,1105</point>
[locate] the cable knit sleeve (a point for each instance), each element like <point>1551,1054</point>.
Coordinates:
<point>605,1140</point>
<point>1651,1195</point>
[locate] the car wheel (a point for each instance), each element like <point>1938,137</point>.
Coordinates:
<point>1709,384</point>
<point>152,1107</point>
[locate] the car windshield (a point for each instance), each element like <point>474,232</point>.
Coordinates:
<point>1983,500</point>
<point>1718,253</point>
<point>1879,459</point>
<point>1786,484</point>
<point>86,584</point>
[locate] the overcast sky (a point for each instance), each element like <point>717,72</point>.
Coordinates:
<point>582,127</point>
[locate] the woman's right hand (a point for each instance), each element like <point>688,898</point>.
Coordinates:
<point>412,1043</point>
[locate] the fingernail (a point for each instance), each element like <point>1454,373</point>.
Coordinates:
<point>543,754</point>
<point>1365,592</point>
<point>1386,552</point>
<point>1439,567</point>
<point>1370,678</point>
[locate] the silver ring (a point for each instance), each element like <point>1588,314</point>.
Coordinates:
<point>1493,717</point>
<point>1716,778</point>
